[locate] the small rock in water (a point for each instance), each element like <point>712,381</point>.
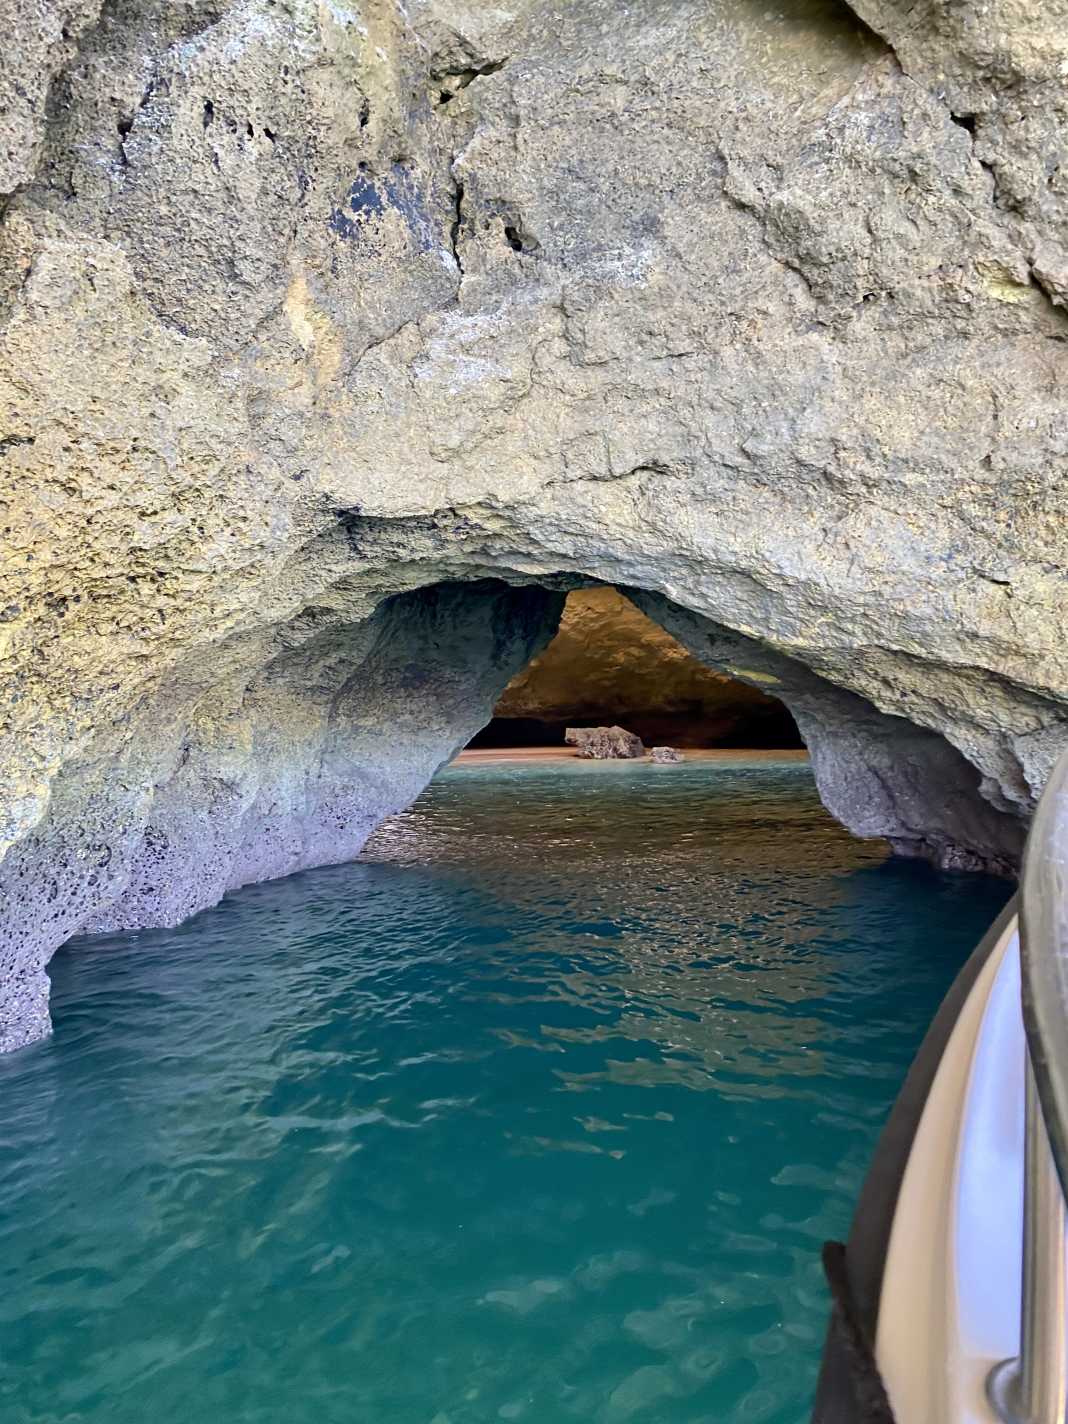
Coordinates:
<point>604,743</point>
<point>666,754</point>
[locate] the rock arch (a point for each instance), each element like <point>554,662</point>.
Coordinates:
<point>284,752</point>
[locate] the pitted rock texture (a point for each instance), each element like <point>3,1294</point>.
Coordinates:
<point>604,743</point>
<point>754,312</point>
<point>610,663</point>
<point>665,755</point>
<point>300,751</point>
<point>881,775</point>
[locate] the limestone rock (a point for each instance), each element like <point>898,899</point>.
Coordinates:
<point>604,743</point>
<point>609,662</point>
<point>40,40</point>
<point>999,69</point>
<point>664,755</point>
<point>336,343</point>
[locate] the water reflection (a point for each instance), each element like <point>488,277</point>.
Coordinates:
<point>539,1113</point>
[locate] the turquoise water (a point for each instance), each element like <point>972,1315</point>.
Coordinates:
<point>539,1113</point>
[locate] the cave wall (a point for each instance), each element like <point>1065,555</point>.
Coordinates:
<point>304,307</point>
<point>881,776</point>
<point>258,775</point>
<point>610,664</point>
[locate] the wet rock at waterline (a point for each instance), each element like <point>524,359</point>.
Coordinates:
<point>318,324</point>
<point>663,755</point>
<point>604,743</point>
<point>344,722</point>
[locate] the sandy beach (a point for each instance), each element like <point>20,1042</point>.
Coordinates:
<point>481,756</point>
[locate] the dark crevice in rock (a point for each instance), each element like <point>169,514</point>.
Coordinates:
<point>125,124</point>
<point>868,30</point>
<point>453,81</point>
<point>518,238</point>
<point>1053,296</point>
<point>153,87</point>
<point>7,442</point>
<point>457,224</point>
<point>124,127</point>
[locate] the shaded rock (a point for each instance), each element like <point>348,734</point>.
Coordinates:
<point>342,724</point>
<point>880,775</point>
<point>604,743</point>
<point>665,754</point>
<point>609,662</point>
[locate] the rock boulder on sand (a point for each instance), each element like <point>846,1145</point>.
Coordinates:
<point>604,743</point>
<point>610,662</point>
<point>665,754</point>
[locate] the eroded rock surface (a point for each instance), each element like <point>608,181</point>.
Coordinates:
<point>609,662</point>
<point>305,308</point>
<point>604,743</point>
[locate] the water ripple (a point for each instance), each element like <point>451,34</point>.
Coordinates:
<point>538,1113</point>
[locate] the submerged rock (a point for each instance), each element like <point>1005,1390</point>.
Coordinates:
<point>604,743</point>
<point>665,754</point>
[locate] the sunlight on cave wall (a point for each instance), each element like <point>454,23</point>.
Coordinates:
<point>609,663</point>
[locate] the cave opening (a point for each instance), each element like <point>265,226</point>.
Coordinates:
<point>609,664</point>
<point>273,753</point>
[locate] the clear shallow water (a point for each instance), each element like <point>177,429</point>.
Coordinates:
<point>539,1113</point>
